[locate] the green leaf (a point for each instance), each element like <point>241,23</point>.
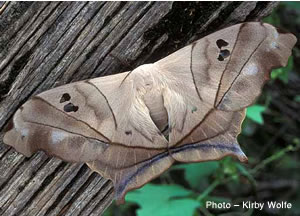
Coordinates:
<point>195,172</point>
<point>283,73</point>
<point>163,200</point>
<point>255,113</point>
<point>181,207</point>
<point>217,199</point>
<point>229,167</point>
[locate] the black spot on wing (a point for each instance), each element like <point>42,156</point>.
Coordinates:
<point>70,108</point>
<point>223,54</point>
<point>128,132</point>
<point>65,97</point>
<point>194,109</point>
<point>221,43</point>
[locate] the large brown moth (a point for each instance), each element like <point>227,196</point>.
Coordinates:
<point>131,127</point>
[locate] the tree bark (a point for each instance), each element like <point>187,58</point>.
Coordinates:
<point>47,44</point>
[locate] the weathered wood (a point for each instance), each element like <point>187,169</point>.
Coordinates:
<point>47,44</point>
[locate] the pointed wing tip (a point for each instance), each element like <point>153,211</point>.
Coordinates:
<point>293,37</point>
<point>285,42</point>
<point>243,159</point>
<point>120,200</point>
<point>240,155</point>
<point>119,195</point>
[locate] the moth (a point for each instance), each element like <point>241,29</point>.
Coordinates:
<point>131,127</point>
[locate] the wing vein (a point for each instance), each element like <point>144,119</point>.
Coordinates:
<point>254,51</point>
<point>105,98</point>
<point>221,78</point>
<point>110,143</point>
<point>191,69</point>
<point>44,101</point>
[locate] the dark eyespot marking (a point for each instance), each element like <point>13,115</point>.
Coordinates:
<point>221,43</point>
<point>65,97</point>
<point>128,132</point>
<point>70,108</point>
<point>194,109</point>
<point>223,54</point>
